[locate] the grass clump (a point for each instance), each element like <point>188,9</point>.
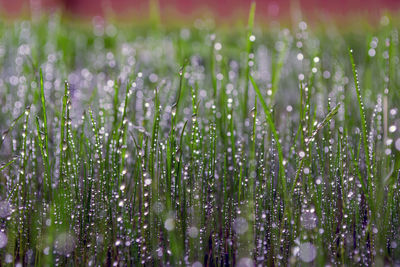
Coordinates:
<point>198,146</point>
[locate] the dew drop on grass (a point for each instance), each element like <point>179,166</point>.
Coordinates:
<point>9,258</point>
<point>147,181</point>
<point>122,187</point>
<point>397,144</point>
<point>3,240</point>
<point>371,52</point>
<point>158,207</point>
<point>173,109</point>
<point>245,262</point>
<point>197,264</point>
<point>307,252</point>
<point>302,25</point>
<point>193,232</point>
<point>308,220</point>
<point>160,252</point>
<point>240,226</point>
<point>300,56</point>
<point>217,46</point>
<point>5,209</point>
<point>64,244</point>
<point>169,224</point>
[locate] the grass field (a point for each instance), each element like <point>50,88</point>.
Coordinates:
<point>199,146</point>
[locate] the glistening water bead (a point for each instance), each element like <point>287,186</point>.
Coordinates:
<point>5,208</point>
<point>3,239</point>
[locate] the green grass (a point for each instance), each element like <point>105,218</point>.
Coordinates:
<point>179,146</point>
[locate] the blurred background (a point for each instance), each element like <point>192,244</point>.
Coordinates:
<point>170,10</point>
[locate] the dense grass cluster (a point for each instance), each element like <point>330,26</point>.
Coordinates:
<point>198,146</point>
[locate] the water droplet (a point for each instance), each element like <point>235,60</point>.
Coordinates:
<point>158,207</point>
<point>397,144</point>
<point>217,46</point>
<point>3,240</point>
<point>173,109</point>
<point>197,264</point>
<point>307,252</point>
<point>5,209</point>
<point>392,128</point>
<point>308,220</point>
<point>194,117</point>
<point>240,225</point>
<point>245,262</point>
<point>169,224</point>
<point>300,57</point>
<point>147,182</point>
<point>64,244</point>
<point>193,232</point>
<point>9,258</point>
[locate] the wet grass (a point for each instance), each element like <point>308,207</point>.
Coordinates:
<point>198,146</point>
